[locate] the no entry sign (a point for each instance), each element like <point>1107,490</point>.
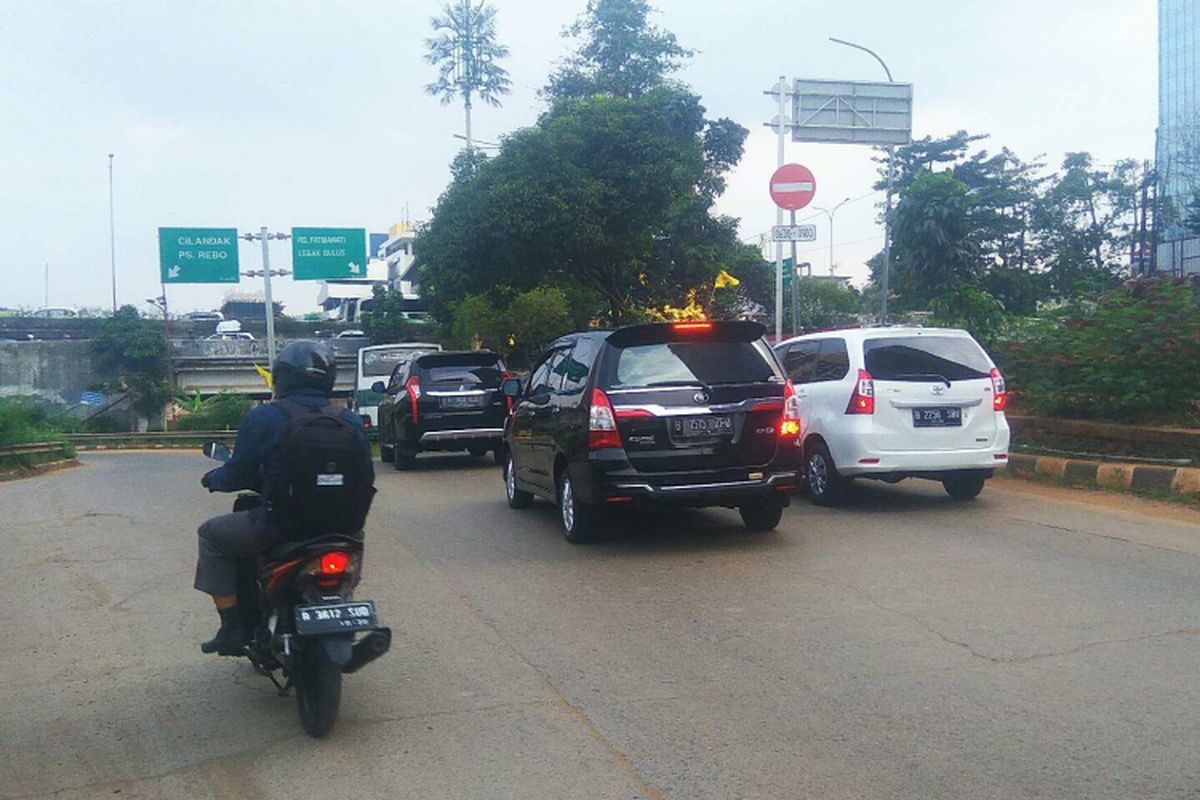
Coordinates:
<point>793,187</point>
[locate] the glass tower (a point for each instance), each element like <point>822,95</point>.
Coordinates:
<point>1177,149</point>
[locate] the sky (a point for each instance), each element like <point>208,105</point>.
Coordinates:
<point>305,113</point>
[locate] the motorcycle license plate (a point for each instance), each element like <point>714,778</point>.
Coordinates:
<point>338,618</point>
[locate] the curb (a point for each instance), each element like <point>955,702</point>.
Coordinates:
<point>1107,475</point>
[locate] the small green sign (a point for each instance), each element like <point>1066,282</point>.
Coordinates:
<point>198,255</point>
<point>321,254</point>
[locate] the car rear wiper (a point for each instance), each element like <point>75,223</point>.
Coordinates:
<point>666,384</point>
<point>934,375</point>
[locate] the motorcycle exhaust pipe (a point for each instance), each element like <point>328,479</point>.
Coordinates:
<point>369,648</point>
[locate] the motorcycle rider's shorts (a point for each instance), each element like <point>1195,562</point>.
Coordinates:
<point>226,539</point>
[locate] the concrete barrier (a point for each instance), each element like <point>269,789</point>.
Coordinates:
<point>1145,478</point>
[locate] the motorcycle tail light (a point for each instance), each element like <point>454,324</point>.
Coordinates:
<point>332,568</point>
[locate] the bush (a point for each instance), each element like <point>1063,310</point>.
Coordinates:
<point>23,421</point>
<point>1132,358</point>
<point>221,412</point>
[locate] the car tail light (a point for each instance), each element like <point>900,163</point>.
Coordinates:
<point>413,387</point>
<point>602,423</point>
<point>692,327</point>
<point>862,401</point>
<point>789,426</point>
<point>999,391</point>
<point>504,376</point>
<point>366,422</point>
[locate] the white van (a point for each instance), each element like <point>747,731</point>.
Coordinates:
<point>897,402</point>
<point>376,363</point>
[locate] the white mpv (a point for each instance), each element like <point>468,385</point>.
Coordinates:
<point>897,402</point>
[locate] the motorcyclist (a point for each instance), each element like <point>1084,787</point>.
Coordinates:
<point>304,373</point>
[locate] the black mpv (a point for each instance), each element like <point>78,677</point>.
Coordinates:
<point>687,413</point>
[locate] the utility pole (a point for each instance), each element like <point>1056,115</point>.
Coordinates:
<point>266,272</point>
<point>1143,267</point>
<point>112,234</point>
<point>887,208</point>
<point>46,296</point>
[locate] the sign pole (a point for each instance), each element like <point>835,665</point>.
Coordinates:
<point>795,280</point>
<point>887,236</point>
<point>266,260</point>
<point>782,131</point>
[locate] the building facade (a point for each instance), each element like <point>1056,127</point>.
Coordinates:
<point>1177,148</point>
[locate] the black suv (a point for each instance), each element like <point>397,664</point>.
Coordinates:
<point>690,413</point>
<point>442,401</point>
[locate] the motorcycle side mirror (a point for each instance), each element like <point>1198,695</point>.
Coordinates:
<point>511,387</point>
<point>379,387</point>
<point>217,451</point>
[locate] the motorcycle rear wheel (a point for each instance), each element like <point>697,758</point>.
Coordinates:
<point>318,684</point>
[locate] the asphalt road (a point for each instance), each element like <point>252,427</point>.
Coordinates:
<point>1034,643</point>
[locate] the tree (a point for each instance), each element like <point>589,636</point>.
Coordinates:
<point>385,322</point>
<point>1192,221</point>
<point>538,317</point>
<point>932,248</point>
<point>466,54</point>
<point>132,356</point>
<point>825,304</point>
<point>620,53</point>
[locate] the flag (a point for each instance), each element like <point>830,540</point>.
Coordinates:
<point>265,375</point>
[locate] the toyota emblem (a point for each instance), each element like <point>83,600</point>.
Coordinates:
<point>700,397</point>
<point>938,389</point>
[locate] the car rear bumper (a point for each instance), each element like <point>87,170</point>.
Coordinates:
<point>608,480</point>
<point>460,435</point>
<point>858,454</point>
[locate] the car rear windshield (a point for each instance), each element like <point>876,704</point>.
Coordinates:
<point>483,372</point>
<point>924,358</point>
<point>680,363</point>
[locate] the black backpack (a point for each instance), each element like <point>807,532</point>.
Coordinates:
<point>324,485</point>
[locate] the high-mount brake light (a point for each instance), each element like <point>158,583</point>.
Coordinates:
<point>862,400</point>
<point>602,423</point>
<point>691,327</point>
<point>413,387</point>
<point>999,391</point>
<point>789,425</point>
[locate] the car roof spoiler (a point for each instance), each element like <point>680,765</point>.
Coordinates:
<point>688,331</point>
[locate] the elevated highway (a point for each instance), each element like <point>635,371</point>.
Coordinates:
<point>212,366</point>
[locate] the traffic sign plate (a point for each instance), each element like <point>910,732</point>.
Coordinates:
<point>794,233</point>
<point>320,254</point>
<point>793,187</point>
<point>198,255</point>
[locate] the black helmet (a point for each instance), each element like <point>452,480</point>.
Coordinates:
<point>304,364</point>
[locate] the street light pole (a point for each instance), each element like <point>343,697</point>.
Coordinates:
<point>266,271</point>
<point>829,213</point>
<point>112,234</point>
<point>887,210</point>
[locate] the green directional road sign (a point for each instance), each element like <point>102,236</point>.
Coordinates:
<point>320,254</point>
<point>198,255</point>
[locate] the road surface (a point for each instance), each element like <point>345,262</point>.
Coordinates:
<point>1034,643</point>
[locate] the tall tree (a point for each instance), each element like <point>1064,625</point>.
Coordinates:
<point>466,53</point>
<point>620,52</point>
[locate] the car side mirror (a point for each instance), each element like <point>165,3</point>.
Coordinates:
<point>378,387</point>
<point>217,451</point>
<point>511,387</point>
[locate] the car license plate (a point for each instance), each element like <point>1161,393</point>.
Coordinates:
<point>338,618</point>
<point>950,417</point>
<point>701,427</point>
<point>463,401</point>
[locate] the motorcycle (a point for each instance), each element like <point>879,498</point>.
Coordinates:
<point>298,600</point>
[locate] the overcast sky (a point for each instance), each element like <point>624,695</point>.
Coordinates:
<point>295,113</point>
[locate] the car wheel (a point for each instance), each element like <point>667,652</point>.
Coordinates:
<point>825,485</point>
<point>964,486</point>
<point>578,519</point>
<point>498,456</point>
<point>517,498</point>
<point>387,452</point>
<point>404,459</point>
<point>761,516</point>
<point>478,450</point>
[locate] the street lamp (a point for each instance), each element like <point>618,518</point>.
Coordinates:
<point>829,212</point>
<point>887,211</point>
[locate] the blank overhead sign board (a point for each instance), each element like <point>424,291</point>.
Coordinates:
<point>852,112</point>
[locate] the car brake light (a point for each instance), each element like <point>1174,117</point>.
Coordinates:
<point>413,387</point>
<point>999,391</point>
<point>602,423</point>
<point>789,426</point>
<point>366,422</point>
<point>691,327</point>
<point>862,401</point>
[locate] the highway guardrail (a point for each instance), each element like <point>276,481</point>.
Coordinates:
<point>148,439</point>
